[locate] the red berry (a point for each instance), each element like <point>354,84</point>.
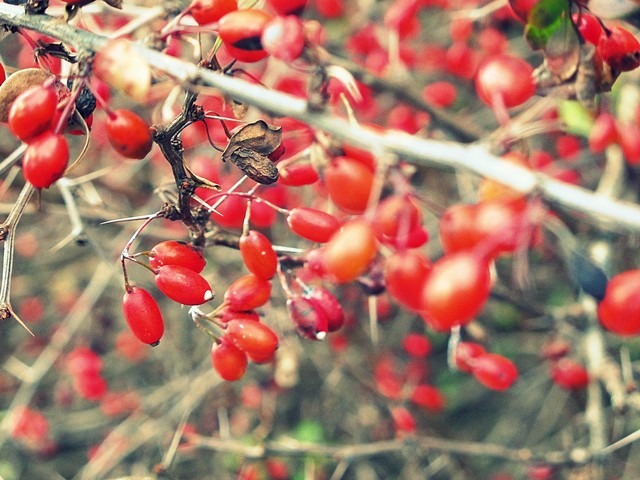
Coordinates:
<point>441,94</point>
<point>494,226</point>
<point>494,371</point>
<point>143,315</point>
<point>428,397</point>
<point>348,183</point>
<point>258,254</point>
<point>330,8</point>
<point>83,361</point>
<point>248,292</point>
<point>45,159</point>
<point>225,314</point>
<point>416,345</point>
<point>619,311</point>
<point>396,217</point>
<point>589,27</point>
<point>310,321</point>
<point>254,338</point>
<point>521,8</point>
<point>405,273</point>
<point>466,353</point>
<point>241,31</point>
<point>283,38</point>
<point>506,80</point>
<point>171,252</point>
<point>209,11</point>
<point>350,251</point>
<point>403,419</point>
<point>288,7</point>
<point>228,360</point>
<point>312,224</point>
<point>91,386</point>
<point>183,285</point>
<point>620,49</point>
<point>568,374</point>
<point>32,112</point>
<point>128,134</point>
<point>455,290</point>
<point>298,175</point>
<point>603,133</point>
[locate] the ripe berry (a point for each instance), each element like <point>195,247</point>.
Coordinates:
<point>405,273</point>
<point>348,183</point>
<point>589,27</point>
<point>143,315</point>
<point>603,133</point>
<point>241,31</point>
<point>284,38</point>
<point>18,83</point>
<point>492,225</point>
<point>83,361</point>
<point>521,8</point>
<point>298,175</point>
<point>254,338</point>
<point>569,374</point>
<point>403,420</point>
<point>310,321</point>
<point>228,360</point>
<point>396,217</point>
<point>466,353</point>
<point>455,290</point>
<point>90,387</point>
<point>128,134</point>
<point>247,293</point>
<point>350,251</point>
<point>428,397</point>
<point>506,80</point>
<point>183,285</point>
<point>494,371</point>
<point>171,252</point>
<point>620,49</point>
<point>312,224</point>
<point>619,311</point>
<point>45,159</point>
<point>209,11</point>
<point>258,254</point>
<point>416,345</point>
<point>32,112</point>
<point>288,7</point>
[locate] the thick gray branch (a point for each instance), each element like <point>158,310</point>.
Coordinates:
<point>473,158</point>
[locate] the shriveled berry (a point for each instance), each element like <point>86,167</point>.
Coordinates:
<point>310,321</point>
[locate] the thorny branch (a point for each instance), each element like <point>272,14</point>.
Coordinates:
<point>475,158</point>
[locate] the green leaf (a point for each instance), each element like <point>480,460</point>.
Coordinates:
<point>551,30</point>
<point>577,118</point>
<point>544,20</point>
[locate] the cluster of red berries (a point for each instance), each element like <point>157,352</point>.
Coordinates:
<point>252,34</point>
<point>492,370</point>
<point>85,368</point>
<point>177,267</point>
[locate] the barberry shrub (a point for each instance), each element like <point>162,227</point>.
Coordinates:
<point>328,239</point>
